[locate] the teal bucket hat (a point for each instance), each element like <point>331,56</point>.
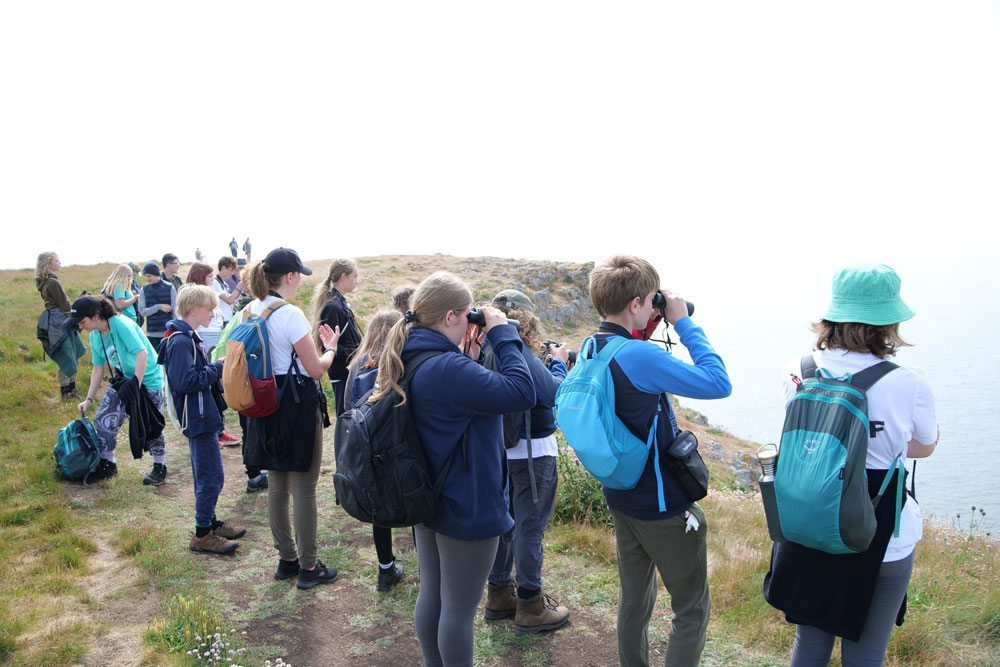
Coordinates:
<point>867,293</point>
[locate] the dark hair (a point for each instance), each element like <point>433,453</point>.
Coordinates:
<point>226,260</point>
<point>881,340</point>
<point>169,257</point>
<point>106,310</point>
<point>198,272</point>
<point>401,297</point>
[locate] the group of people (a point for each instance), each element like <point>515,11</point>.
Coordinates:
<point>495,503</point>
<point>234,248</point>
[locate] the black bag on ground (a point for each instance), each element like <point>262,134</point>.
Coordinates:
<point>382,473</point>
<point>687,467</point>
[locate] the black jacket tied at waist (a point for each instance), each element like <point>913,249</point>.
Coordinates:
<point>145,421</point>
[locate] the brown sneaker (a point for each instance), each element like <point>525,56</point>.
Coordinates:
<point>501,601</point>
<point>539,613</point>
<point>228,531</point>
<point>213,543</point>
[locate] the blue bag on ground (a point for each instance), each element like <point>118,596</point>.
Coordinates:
<point>585,411</point>
<point>820,483</point>
<point>77,452</point>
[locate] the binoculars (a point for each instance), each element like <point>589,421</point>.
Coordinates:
<point>660,303</point>
<point>476,316</point>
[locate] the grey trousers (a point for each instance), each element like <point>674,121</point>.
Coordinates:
<point>814,647</point>
<point>645,548</point>
<point>301,488</point>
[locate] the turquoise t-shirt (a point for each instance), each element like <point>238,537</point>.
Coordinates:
<point>129,310</point>
<point>123,343</point>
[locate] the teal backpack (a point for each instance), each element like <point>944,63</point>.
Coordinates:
<point>820,482</point>
<point>585,411</point>
<point>77,452</point>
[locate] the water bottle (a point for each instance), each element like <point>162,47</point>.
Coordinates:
<point>767,457</point>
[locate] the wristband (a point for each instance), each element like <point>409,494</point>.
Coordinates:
<point>90,399</point>
<point>330,349</point>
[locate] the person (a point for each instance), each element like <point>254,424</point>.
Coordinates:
<point>401,297</point>
<point>330,307</point>
<point>62,343</point>
<point>200,273</point>
<point>157,303</point>
<point>859,596</point>
<point>649,539</point>
<point>246,249</point>
<point>194,388</point>
<point>532,490</point>
<point>117,340</point>
<point>227,299</point>
<point>197,255</point>
<point>118,288</point>
<point>457,407</point>
<point>289,443</point>
<point>361,374</point>
<point>234,247</point>
<point>170,266</point>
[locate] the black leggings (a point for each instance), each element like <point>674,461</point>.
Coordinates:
<point>383,544</point>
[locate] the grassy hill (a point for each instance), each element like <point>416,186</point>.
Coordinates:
<point>102,575</point>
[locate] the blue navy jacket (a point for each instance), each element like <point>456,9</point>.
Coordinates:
<point>191,377</point>
<point>451,392</point>
<point>546,381</point>
<point>644,373</point>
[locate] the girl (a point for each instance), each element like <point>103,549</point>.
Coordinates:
<point>289,443</point>
<point>57,307</point>
<point>331,308</point>
<point>360,378</point>
<point>118,288</point>
<point>201,273</point>
<point>457,407</point>
<point>858,596</point>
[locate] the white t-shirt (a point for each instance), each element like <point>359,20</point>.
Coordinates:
<point>211,334</point>
<point>546,446</point>
<point>285,327</point>
<point>222,289</point>
<point>902,404</point>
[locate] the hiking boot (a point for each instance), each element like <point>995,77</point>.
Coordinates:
<point>539,613</point>
<point>212,543</point>
<point>228,531</point>
<point>501,601</point>
<point>286,569</point>
<point>226,440</point>
<point>321,574</point>
<point>158,476</point>
<point>388,578</point>
<point>105,470</point>
<point>258,483</point>
<point>68,392</point>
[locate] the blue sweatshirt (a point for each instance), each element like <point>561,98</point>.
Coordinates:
<point>191,377</point>
<point>451,392</point>
<point>644,373</point>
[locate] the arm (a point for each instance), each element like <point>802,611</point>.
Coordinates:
<point>145,310</point>
<point>184,377</point>
<point>96,377</point>
<point>546,380</point>
<point>121,303</point>
<point>653,370</point>
<point>316,365</point>
<point>465,383</point>
<point>173,298</point>
<point>918,450</point>
<point>57,295</point>
<point>140,365</point>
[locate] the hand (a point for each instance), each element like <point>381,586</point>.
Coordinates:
<point>676,306</point>
<point>165,307</point>
<point>560,352</point>
<point>328,336</point>
<point>494,317</point>
<point>471,346</point>
<point>84,404</point>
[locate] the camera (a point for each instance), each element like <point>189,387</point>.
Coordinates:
<point>476,316</point>
<point>547,357</point>
<point>660,303</point>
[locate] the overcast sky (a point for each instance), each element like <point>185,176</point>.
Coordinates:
<point>721,139</point>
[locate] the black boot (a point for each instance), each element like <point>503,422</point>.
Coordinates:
<point>158,476</point>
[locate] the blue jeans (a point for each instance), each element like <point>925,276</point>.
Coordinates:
<point>206,468</point>
<point>523,543</point>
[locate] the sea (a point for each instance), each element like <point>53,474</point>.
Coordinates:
<point>957,317</point>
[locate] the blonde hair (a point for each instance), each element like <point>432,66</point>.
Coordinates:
<point>42,267</point>
<point>194,296</point>
<point>620,279</point>
<point>322,293</point>
<point>434,297</point>
<point>376,334</point>
<point>120,277</point>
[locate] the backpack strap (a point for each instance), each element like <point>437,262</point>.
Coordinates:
<point>866,378</point>
<point>531,465</point>
<point>270,309</point>
<point>808,367</point>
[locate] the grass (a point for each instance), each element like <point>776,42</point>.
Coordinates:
<point>53,540</point>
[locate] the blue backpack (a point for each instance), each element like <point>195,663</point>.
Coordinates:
<point>820,482</point>
<point>585,411</point>
<point>247,377</point>
<point>77,452</point>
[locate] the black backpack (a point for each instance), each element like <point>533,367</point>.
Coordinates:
<point>382,473</point>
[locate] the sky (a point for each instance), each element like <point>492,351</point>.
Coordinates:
<point>733,143</point>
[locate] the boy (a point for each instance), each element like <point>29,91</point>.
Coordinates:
<point>193,388</point>
<point>157,302</point>
<point>170,266</point>
<point>220,285</point>
<point>648,539</point>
